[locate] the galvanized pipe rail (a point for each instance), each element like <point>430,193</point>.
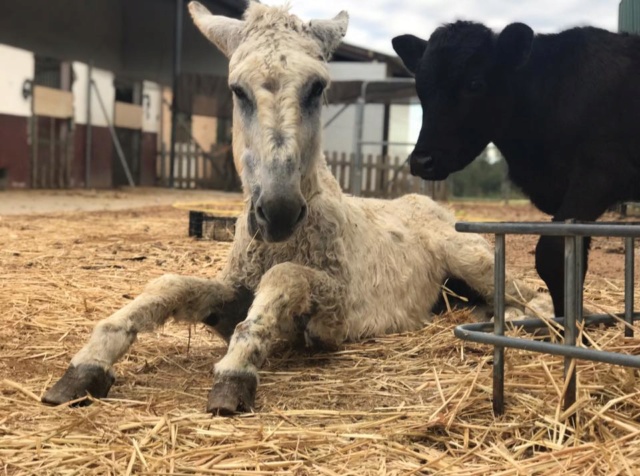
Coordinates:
<point>573,233</point>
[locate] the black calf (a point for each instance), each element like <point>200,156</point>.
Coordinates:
<point>564,110</point>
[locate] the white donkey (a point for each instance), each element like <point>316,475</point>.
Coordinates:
<point>308,264</point>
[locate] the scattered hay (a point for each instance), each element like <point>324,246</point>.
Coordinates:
<point>404,404</point>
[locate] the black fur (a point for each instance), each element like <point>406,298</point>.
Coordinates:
<point>564,110</point>
<point>460,288</point>
<point>232,313</point>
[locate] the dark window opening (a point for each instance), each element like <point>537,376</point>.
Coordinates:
<point>128,91</point>
<point>48,72</point>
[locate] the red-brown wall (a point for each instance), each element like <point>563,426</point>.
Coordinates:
<point>101,157</point>
<point>14,150</point>
<point>15,155</point>
<point>148,159</point>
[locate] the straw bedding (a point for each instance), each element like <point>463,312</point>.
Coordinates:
<point>399,405</point>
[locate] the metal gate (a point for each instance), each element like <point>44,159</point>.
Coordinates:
<point>127,121</point>
<point>128,127</point>
<point>51,124</point>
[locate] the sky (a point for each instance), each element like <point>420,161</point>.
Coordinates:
<point>373,23</point>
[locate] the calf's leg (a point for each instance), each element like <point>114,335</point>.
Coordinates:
<point>185,298</point>
<point>587,198</point>
<point>290,299</point>
<point>550,267</point>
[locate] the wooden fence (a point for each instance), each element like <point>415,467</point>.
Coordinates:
<point>196,168</point>
<point>383,177</point>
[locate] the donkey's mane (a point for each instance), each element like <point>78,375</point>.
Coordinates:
<point>271,24</point>
<point>272,18</point>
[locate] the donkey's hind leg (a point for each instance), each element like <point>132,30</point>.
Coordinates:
<point>185,298</point>
<point>289,301</point>
<point>469,257</point>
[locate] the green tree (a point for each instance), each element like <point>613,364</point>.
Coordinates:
<point>485,177</point>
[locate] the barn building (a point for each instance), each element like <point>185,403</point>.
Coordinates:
<point>88,88</point>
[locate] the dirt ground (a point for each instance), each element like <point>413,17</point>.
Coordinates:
<point>606,259</point>
<point>413,404</point>
<point>28,202</point>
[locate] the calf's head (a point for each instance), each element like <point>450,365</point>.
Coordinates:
<point>463,78</point>
<point>277,74</point>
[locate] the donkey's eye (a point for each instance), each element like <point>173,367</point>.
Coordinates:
<point>315,91</point>
<point>239,93</point>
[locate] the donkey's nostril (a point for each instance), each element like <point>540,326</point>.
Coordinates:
<point>303,214</point>
<point>260,214</point>
<point>278,215</point>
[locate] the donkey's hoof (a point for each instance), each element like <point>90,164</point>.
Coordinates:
<point>79,381</point>
<point>232,393</point>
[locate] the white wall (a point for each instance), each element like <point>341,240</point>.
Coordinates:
<point>401,129</point>
<point>16,66</point>
<point>104,84</point>
<point>339,136</point>
<point>151,107</point>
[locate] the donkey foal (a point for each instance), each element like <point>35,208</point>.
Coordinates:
<point>308,264</point>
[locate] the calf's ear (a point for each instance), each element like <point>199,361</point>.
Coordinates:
<point>410,50</point>
<point>513,46</point>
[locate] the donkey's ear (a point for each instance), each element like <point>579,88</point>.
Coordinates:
<point>410,49</point>
<point>329,33</point>
<point>224,32</point>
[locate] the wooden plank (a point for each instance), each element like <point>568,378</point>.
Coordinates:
<point>386,174</point>
<point>344,184</point>
<point>334,165</point>
<point>367,188</point>
<point>34,152</point>
<point>398,184</point>
<point>379,183</point>
<point>177,175</point>
<point>52,102</point>
<point>52,154</point>
<point>127,116</point>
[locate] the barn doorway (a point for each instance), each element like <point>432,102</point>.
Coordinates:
<point>128,125</point>
<point>51,123</point>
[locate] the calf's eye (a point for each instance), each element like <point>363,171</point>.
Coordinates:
<point>476,85</point>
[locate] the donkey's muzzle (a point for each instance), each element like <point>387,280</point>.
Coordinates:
<point>278,216</point>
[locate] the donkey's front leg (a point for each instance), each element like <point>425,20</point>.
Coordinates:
<point>184,298</point>
<point>291,300</point>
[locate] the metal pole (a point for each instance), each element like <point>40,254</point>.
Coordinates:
<point>114,137</point>
<point>88,142</point>
<point>336,115</point>
<point>387,143</point>
<point>570,316</point>
<point>579,277</point>
<point>629,265</point>
<point>177,61</point>
<point>482,333</point>
<point>356,167</point>
<point>498,323</point>
<point>382,174</point>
